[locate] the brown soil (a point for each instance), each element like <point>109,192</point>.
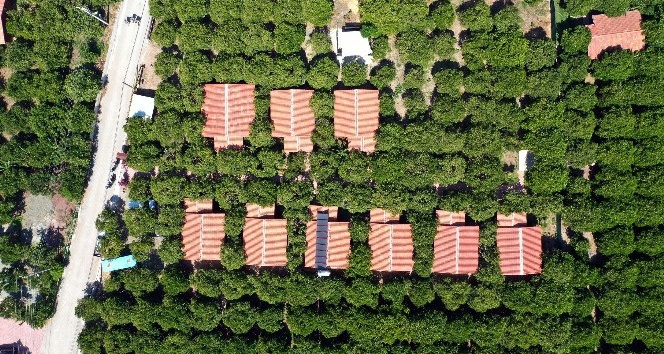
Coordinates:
<point>62,211</point>
<point>549,226</point>
<point>306,45</point>
<point>393,56</point>
<point>589,79</point>
<point>592,249</point>
<point>344,11</point>
<point>149,79</point>
<point>586,171</point>
<point>429,84</point>
<point>6,73</point>
<point>37,215</point>
<point>75,57</point>
<point>563,233</point>
<point>535,16</point>
<point>510,158</point>
<point>457,29</point>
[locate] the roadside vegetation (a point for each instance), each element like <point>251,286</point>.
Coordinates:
<point>50,80</point>
<point>593,127</point>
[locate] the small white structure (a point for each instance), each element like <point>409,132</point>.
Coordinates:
<point>349,43</point>
<point>141,106</point>
<point>526,161</point>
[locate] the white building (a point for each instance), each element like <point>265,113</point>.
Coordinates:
<point>349,43</point>
<point>141,106</point>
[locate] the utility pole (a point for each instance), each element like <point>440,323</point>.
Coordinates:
<point>93,15</point>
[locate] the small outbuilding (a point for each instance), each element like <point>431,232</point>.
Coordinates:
<point>293,118</point>
<point>391,243</point>
<point>356,118</point>
<point>111,265</point>
<point>265,238</point>
<point>328,240</point>
<point>349,44</point>
<point>456,245</point>
<point>141,106</point>
<point>229,111</point>
<point>519,245</point>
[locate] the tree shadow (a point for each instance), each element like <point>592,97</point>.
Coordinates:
<point>537,33</point>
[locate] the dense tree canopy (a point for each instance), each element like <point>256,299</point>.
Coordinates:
<point>464,112</point>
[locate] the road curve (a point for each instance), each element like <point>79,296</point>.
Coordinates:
<point>123,58</point>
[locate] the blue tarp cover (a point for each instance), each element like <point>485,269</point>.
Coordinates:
<point>133,204</point>
<point>109,265</point>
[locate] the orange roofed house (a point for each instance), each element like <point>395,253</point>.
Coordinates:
<point>391,243</point>
<point>203,232</point>
<point>229,112</point>
<point>519,246</point>
<point>356,118</point>
<point>328,240</point>
<point>293,118</point>
<point>456,244</point>
<point>622,31</point>
<point>265,238</point>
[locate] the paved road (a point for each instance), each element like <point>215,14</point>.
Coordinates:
<point>124,55</point>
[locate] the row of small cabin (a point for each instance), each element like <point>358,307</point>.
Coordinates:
<point>456,245</point>
<point>229,111</point>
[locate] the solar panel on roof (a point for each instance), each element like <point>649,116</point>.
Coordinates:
<point>322,232</point>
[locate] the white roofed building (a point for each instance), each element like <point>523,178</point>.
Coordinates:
<point>141,106</point>
<point>349,43</point>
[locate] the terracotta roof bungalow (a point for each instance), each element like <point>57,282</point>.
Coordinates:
<point>257,211</point>
<point>356,118</point>
<point>328,240</point>
<point>391,245</point>
<point>293,118</point>
<point>203,236</point>
<point>378,215</point>
<point>513,219</point>
<point>229,111</point>
<point>265,240</point>
<point>197,206</point>
<point>622,31</point>
<point>520,249</point>
<point>456,245</point>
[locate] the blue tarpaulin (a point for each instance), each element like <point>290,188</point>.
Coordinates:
<point>109,265</point>
<point>133,204</point>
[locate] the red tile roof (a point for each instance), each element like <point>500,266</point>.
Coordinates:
<point>203,236</point>
<point>391,247</point>
<point>229,109</point>
<point>513,219</point>
<point>450,218</point>
<point>332,211</point>
<point>356,118</point>
<point>378,215</point>
<point>335,245</point>
<point>197,206</point>
<point>456,249</point>
<point>623,31</point>
<point>265,242</point>
<point>257,211</point>
<point>520,250</point>
<point>293,118</point>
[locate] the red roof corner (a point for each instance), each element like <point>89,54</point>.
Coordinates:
<point>622,31</point>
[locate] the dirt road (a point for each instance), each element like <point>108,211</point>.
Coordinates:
<point>125,50</point>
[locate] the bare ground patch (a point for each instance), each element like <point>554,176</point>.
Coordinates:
<point>592,248</point>
<point>549,226</point>
<point>149,79</point>
<point>306,45</point>
<point>62,211</point>
<point>393,56</point>
<point>345,11</point>
<point>37,215</point>
<point>535,16</point>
